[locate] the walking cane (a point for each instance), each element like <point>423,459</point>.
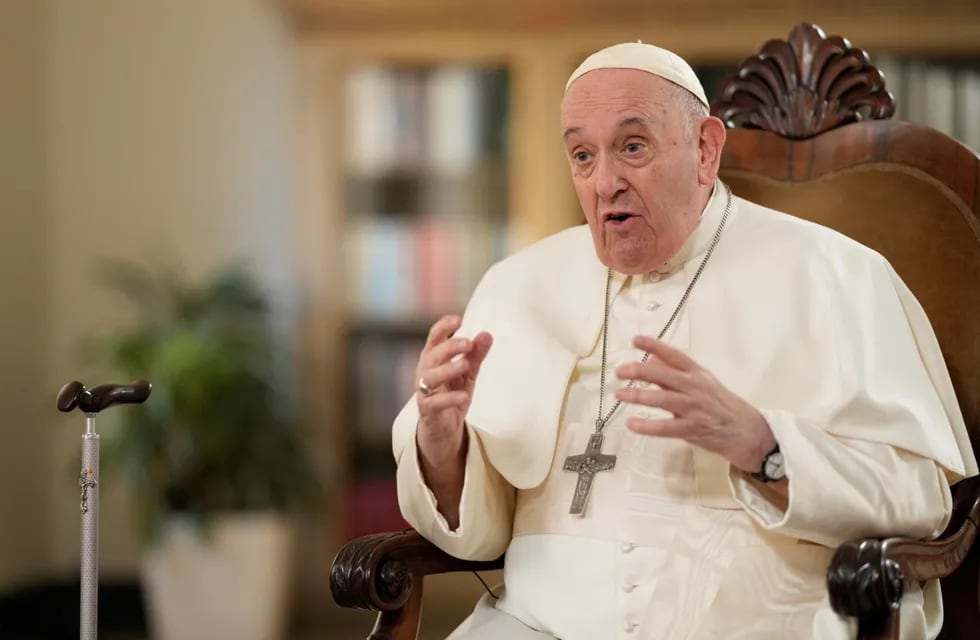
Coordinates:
<point>72,395</point>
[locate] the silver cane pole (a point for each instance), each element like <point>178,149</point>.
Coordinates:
<point>88,483</point>
<point>72,395</point>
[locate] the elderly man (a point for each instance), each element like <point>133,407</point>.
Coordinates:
<point>669,417</point>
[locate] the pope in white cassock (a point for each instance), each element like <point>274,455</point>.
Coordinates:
<point>669,417</point>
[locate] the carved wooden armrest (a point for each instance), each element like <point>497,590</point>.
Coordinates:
<point>866,576</point>
<point>380,571</point>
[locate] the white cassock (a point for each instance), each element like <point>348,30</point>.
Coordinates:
<point>813,329</point>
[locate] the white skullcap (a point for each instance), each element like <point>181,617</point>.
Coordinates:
<point>644,57</point>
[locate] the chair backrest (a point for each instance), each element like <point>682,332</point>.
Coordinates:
<point>811,134</point>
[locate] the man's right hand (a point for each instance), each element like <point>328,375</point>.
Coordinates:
<point>448,368</point>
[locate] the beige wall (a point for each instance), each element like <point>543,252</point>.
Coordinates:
<point>161,130</point>
<point>24,433</point>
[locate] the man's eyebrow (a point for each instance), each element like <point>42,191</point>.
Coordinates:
<point>633,121</point>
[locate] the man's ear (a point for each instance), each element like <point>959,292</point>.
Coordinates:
<point>711,142</point>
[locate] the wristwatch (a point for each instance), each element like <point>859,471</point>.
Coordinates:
<point>773,469</point>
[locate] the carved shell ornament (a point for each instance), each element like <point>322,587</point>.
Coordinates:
<point>804,86</point>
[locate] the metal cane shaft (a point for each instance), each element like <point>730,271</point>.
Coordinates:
<point>88,482</point>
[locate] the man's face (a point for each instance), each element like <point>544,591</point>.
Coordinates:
<point>637,166</point>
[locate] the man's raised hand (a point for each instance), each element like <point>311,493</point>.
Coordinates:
<point>446,373</point>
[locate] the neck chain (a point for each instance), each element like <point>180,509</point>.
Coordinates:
<point>601,421</point>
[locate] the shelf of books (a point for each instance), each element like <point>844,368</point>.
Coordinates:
<point>941,93</point>
<point>426,199</point>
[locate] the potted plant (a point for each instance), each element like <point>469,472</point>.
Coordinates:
<point>214,459</point>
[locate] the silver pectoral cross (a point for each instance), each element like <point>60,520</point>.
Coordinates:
<point>586,465</point>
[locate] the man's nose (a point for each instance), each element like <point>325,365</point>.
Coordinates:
<point>609,180</point>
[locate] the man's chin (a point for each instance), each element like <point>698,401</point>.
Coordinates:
<point>631,265</point>
<point>630,255</point>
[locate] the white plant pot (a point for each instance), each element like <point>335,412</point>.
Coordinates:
<point>233,584</point>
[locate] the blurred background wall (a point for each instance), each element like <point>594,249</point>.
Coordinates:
<point>25,430</point>
<point>195,132</point>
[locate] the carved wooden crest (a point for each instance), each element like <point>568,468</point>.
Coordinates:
<point>804,86</point>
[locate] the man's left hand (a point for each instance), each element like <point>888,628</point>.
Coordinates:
<point>705,412</point>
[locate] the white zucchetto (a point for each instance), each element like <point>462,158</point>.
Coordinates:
<point>643,57</point>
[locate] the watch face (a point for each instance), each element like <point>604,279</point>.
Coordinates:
<point>774,466</point>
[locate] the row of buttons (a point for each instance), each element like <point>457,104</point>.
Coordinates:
<point>628,587</point>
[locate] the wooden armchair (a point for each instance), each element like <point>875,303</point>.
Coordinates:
<point>811,134</point>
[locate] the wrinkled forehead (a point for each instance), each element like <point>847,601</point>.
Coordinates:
<point>606,96</point>
<point>612,83</point>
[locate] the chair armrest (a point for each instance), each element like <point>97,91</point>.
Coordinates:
<point>866,575</point>
<point>378,571</point>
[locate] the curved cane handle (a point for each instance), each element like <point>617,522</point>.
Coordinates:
<point>74,394</point>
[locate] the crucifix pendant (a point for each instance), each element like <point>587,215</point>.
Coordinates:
<point>586,465</point>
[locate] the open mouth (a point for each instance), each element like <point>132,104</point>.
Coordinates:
<point>617,218</point>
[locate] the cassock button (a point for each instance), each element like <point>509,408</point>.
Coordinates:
<point>653,276</point>
<point>653,305</point>
<point>626,547</point>
<point>628,587</point>
<point>629,626</point>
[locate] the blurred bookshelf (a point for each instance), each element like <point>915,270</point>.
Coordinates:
<point>942,93</point>
<point>425,213</point>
